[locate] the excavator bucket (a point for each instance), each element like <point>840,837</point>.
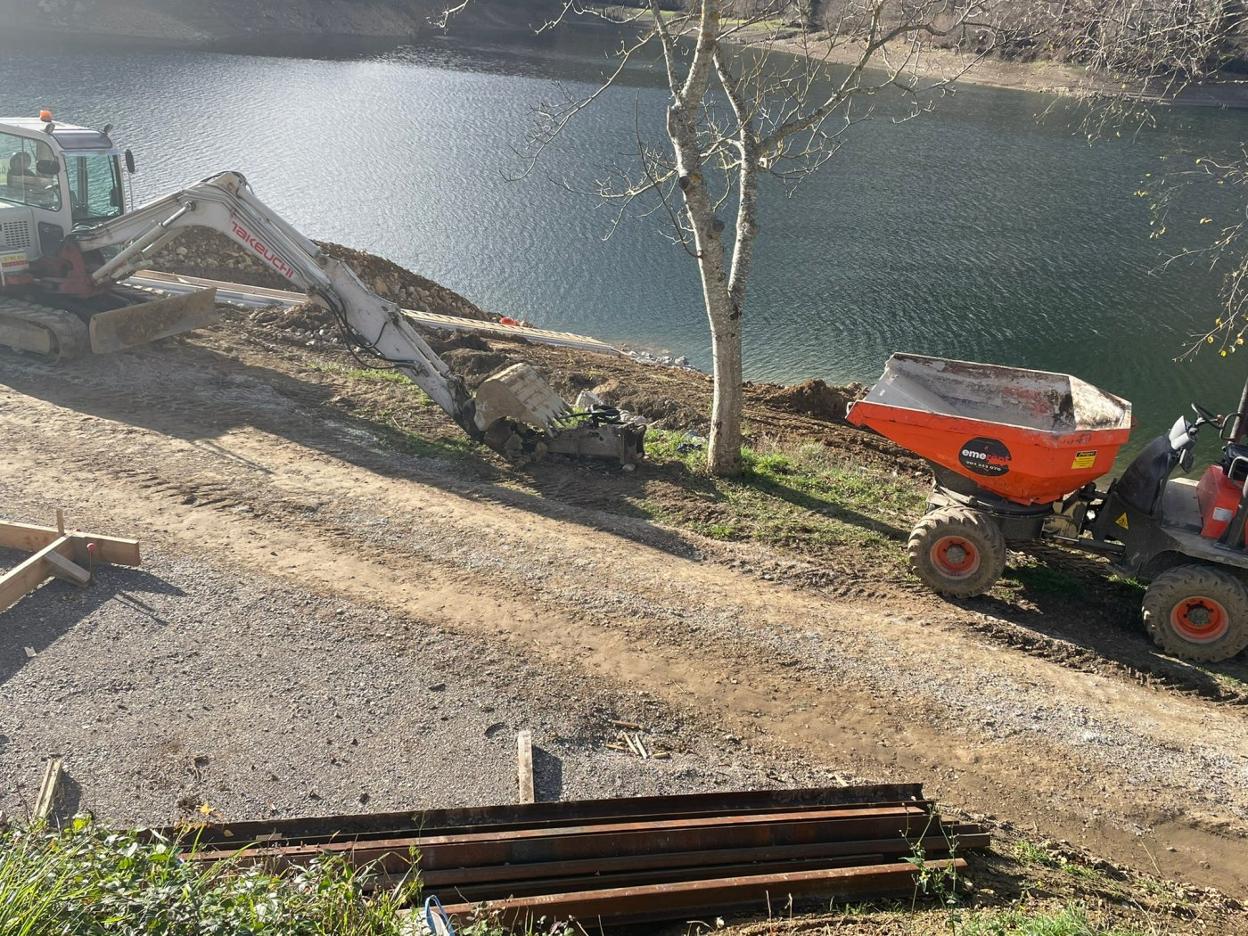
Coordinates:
<point>519,393</point>
<point>140,324</point>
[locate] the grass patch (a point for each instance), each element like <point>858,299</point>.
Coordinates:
<point>1047,580</point>
<point>1069,921</point>
<point>1029,853</point>
<point>367,374</point>
<point>802,497</point>
<point>88,880</point>
<point>454,445</point>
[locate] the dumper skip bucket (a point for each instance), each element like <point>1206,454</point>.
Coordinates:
<point>1029,436</point>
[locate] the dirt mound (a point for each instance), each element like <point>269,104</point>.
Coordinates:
<point>306,317</point>
<point>206,253</point>
<point>474,366</point>
<point>409,289</point>
<point>813,398</point>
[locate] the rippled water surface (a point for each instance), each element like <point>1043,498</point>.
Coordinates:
<point>977,231</point>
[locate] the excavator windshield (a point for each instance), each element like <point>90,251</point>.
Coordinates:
<point>94,187</point>
<point>25,178</point>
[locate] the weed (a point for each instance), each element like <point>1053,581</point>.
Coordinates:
<point>1030,853</point>
<point>86,879</point>
<point>940,882</point>
<point>1068,921</point>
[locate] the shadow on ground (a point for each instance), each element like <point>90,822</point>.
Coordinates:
<point>196,393</point>
<point>45,615</point>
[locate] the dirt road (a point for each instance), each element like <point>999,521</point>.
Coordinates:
<point>225,460</point>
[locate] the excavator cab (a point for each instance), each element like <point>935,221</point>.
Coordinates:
<point>54,179</point>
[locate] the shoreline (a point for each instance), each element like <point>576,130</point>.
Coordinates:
<point>373,31</point>
<point>1037,77</point>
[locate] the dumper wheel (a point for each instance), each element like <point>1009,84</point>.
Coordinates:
<point>957,551</point>
<point>1197,612</point>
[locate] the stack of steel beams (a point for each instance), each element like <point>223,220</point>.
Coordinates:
<point>627,860</point>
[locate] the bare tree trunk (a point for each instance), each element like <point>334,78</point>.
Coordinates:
<point>785,122</point>
<point>723,455</point>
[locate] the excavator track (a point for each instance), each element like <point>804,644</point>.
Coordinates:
<point>53,333</point>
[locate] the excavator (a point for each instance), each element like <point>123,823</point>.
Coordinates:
<point>68,244</point>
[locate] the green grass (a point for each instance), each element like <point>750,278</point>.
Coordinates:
<point>1045,579</point>
<point>1069,921</point>
<point>367,374</point>
<point>798,497</point>
<point>86,880</point>
<point>454,445</point>
<point>1029,853</point>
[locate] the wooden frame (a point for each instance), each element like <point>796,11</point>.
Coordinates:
<point>57,553</point>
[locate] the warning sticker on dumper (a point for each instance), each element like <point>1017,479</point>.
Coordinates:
<point>985,457</point>
<point>1084,459</point>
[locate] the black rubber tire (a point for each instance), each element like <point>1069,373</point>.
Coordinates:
<point>969,526</point>
<point>1168,590</point>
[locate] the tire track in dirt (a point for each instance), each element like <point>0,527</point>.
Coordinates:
<point>228,389</point>
<point>1143,666</point>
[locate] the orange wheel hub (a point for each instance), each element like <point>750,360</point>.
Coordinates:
<point>955,556</point>
<point>1199,619</point>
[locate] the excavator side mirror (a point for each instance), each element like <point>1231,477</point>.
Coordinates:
<point>129,156</point>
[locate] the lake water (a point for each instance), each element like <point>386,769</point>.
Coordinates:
<point>978,231</point>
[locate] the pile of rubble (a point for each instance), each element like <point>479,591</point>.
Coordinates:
<point>214,256</point>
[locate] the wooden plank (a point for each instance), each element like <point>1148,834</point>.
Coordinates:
<point>114,550</point>
<point>28,537</point>
<point>524,765</point>
<point>25,536</point>
<point>49,789</point>
<point>30,574</point>
<point>66,569</point>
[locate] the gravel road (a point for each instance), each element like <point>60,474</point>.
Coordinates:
<point>182,684</point>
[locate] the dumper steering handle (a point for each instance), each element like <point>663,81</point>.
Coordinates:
<point>1207,416</point>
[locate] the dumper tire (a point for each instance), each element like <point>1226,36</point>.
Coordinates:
<point>958,551</point>
<point>1198,613</point>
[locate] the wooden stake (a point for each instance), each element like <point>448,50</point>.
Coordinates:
<point>60,521</point>
<point>524,765</point>
<point>67,569</point>
<point>48,789</point>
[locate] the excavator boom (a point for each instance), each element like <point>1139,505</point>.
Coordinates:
<point>514,412</point>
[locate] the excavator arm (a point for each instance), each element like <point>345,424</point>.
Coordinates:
<point>514,412</point>
<point>226,203</point>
